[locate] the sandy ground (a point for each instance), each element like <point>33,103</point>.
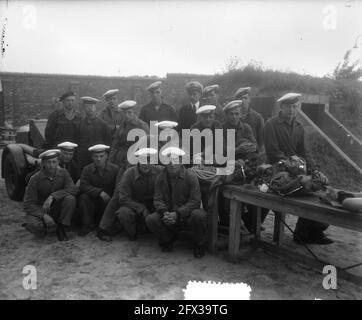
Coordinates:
<point>86,268</point>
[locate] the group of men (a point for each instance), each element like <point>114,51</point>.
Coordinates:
<point>85,176</point>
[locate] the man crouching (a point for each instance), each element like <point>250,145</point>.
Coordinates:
<point>50,197</point>
<point>177,201</point>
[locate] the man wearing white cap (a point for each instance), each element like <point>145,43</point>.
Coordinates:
<point>120,143</point>
<point>284,137</point>
<point>111,114</point>
<point>205,120</point>
<point>49,198</point>
<point>250,116</point>
<point>92,130</point>
<point>66,159</point>
<point>97,183</point>
<point>62,125</point>
<point>177,201</point>
<point>156,109</point>
<point>187,113</point>
<point>211,96</point>
<point>136,193</point>
<point>245,143</point>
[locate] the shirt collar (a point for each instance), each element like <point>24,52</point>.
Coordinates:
<point>197,105</point>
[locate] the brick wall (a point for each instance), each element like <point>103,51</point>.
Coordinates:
<point>27,96</point>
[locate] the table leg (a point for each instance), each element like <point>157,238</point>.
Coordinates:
<point>278,227</point>
<point>213,229</point>
<point>258,223</point>
<point>234,229</point>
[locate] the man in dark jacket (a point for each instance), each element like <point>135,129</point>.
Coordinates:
<point>250,116</point>
<point>157,110</point>
<point>97,183</point>
<point>187,114</point>
<point>177,201</point>
<point>284,137</point>
<point>49,197</point>
<point>67,161</point>
<point>63,124</point>
<point>91,131</point>
<point>111,114</point>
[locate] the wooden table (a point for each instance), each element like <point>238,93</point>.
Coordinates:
<point>306,207</point>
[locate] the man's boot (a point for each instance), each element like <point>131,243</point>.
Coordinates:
<point>103,235</point>
<point>62,236</point>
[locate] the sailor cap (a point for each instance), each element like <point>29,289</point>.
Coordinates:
<point>289,98</point>
<point>49,154</point>
<point>241,92</point>
<point>194,86</point>
<point>66,95</point>
<point>89,100</point>
<point>110,93</point>
<point>210,89</point>
<point>67,145</point>
<point>153,86</point>
<point>232,105</point>
<point>173,152</point>
<point>128,104</point>
<point>98,148</point>
<point>145,152</point>
<point>166,124</point>
<point>206,109</point>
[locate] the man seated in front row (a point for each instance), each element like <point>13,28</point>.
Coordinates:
<point>97,183</point>
<point>49,197</point>
<point>177,201</point>
<point>66,159</point>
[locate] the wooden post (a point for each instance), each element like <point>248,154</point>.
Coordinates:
<point>278,227</point>
<point>213,228</point>
<point>258,223</point>
<point>234,229</point>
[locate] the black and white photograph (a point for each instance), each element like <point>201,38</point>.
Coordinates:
<point>200,151</point>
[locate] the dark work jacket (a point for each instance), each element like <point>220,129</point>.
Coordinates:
<point>183,196</point>
<point>256,122</point>
<point>59,129</point>
<point>91,132</point>
<point>112,118</point>
<point>72,168</point>
<point>282,139</point>
<point>165,112</point>
<point>41,186</point>
<point>136,189</point>
<point>243,132</point>
<point>93,182</point>
<point>187,117</point>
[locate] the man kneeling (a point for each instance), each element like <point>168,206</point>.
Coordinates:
<point>49,197</point>
<point>177,201</point>
<point>136,193</point>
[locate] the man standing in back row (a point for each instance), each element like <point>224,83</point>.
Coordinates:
<point>157,110</point>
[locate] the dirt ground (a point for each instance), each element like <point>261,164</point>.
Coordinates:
<point>86,268</point>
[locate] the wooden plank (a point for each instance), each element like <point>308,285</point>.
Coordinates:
<point>278,234</point>
<point>234,229</point>
<point>311,262</point>
<point>258,223</point>
<point>330,215</point>
<point>213,229</point>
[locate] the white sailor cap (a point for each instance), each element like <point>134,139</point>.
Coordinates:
<point>128,104</point>
<point>67,145</point>
<point>194,86</point>
<point>209,89</point>
<point>98,148</point>
<point>241,92</point>
<point>206,109</point>
<point>145,152</point>
<point>49,154</point>
<point>232,105</point>
<point>153,86</point>
<point>89,100</point>
<point>289,98</point>
<point>110,93</point>
<point>173,152</point>
<point>166,124</point>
